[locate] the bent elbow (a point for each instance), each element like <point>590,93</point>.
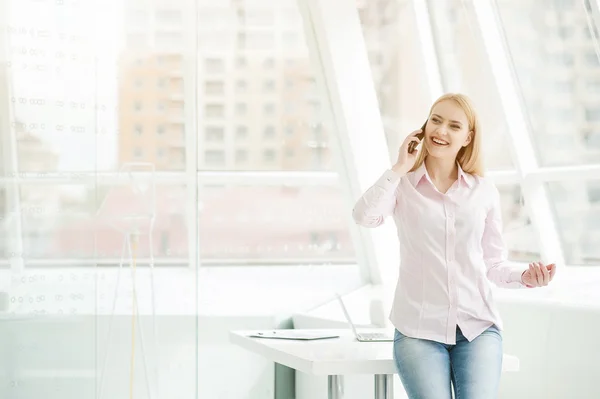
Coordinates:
<point>362,219</point>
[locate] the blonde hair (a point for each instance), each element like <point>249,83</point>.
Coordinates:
<point>469,158</point>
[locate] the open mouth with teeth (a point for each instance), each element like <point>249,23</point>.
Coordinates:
<point>439,142</point>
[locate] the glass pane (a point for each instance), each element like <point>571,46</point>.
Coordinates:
<point>396,62</point>
<point>556,60</point>
<point>69,90</point>
<point>577,209</point>
<point>259,104</point>
<point>520,237</point>
<point>465,68</point>
<point>274,225</point>
<point>79,221</point>
<point>396,58</point>
<point>86,99</point>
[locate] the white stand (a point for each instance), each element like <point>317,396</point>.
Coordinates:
<point>138,221</point>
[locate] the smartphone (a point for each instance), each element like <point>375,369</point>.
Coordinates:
<point>412,146</point>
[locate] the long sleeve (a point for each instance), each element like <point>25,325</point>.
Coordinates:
<point>499,269</point>
<point>378,201</point>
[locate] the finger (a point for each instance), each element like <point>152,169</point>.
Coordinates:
<point>535,271</point>
<point>539,273</point>
<point>545,274</point>
<point>532,274</point>
<point>552,269</point>
<point>416,132</point>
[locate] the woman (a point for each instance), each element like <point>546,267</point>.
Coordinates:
<point>450,230</point>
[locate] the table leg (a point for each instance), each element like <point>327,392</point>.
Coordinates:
<point>335,387</point>
<point>384,386</point>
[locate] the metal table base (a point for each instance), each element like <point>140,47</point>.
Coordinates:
<point>384,386</point>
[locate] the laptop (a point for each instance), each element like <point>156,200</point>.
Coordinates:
<point>364,336</point>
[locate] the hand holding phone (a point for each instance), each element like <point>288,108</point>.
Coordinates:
<point>408,151</point>
<point>412,146</point>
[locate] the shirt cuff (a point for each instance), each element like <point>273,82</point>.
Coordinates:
<point>515,276</point>
<point>389,179</point>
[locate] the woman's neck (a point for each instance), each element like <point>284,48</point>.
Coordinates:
<point>441,169</point>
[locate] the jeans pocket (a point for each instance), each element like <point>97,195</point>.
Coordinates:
<point>398,335</point>
<point>493,330</point>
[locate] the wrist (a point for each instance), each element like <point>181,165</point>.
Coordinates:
<point>400,169</point>
<point>523,281</point>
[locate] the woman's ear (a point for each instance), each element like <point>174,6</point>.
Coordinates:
<point>468,139</point>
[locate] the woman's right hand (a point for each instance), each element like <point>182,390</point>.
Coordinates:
<point>405,160</point>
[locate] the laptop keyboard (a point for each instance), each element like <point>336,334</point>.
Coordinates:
<point>374,336</point>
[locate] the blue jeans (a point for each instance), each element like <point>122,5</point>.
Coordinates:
<point>427,368</point>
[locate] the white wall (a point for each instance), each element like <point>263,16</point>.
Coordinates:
<point>558,346</point>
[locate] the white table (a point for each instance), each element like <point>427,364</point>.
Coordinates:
<point>335,358</point>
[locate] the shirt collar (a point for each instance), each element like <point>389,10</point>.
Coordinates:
<point>421,172</point>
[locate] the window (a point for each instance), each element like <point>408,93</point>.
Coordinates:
<point>169,39</point>
<point>214,65</point>
<point>591,59</point>
<point>269,63</point>
<point>215,134</point>
<point>241,85</point>
<point>136,40</point>
<point>561,59</point>
<point>578,221</point>
<point>564,87</point>
<point>138,130</point>
<point>240,109</point>
<point>269,155</point>
<point>555,120</point>
<point>269,85</point>
<point>269,109</point>
<point>214,157</point>
<point>214,87</point>
<point>160,130</point>
<point>214,110</point>
<point>269,132</point>
<point>592,114</point>
<point>592,86</point>
<point>241,133</point>
<point>137,106</point>
<point>166,16</point>
<point>241,62</point>
<point>137,152</point>
<point>241,156</point>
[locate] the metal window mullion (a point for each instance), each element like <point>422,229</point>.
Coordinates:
<point>10,148</point>
<point>192,115</point>
<point>536,199</point>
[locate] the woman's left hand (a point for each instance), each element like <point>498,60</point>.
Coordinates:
<point>538,275</point>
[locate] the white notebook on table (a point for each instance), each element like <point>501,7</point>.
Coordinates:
<point>293,335</point>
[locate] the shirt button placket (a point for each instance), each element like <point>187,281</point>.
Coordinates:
<point>451,268</point>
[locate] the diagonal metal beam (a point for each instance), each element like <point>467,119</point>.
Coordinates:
<point>536,198</point>
<point>430,59</point>
<point>340,60</point>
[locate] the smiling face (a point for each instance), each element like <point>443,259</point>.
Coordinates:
<point>447,130</point>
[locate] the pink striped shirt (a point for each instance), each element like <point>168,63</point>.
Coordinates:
<point>451,248</point>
